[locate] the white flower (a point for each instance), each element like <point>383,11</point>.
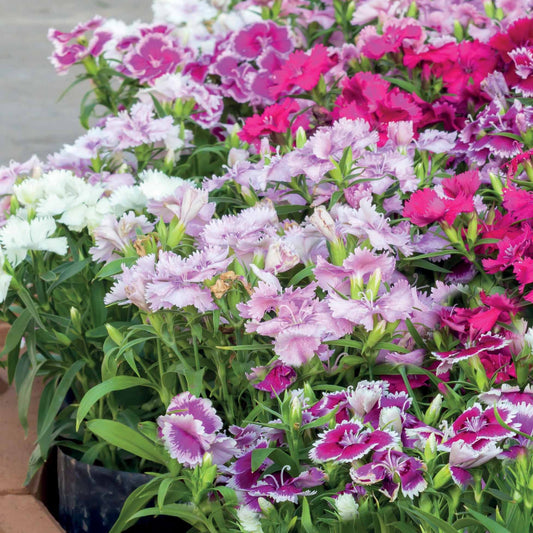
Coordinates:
<point>19,236</point>
<point>126,199</point>
<point>528,338</point>
<point>30,191</point>
<point>347,507</point>
<point>5,279</point>
<point>249,520</point>
<point>156,185</point>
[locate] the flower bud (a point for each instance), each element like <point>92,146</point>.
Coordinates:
<point>301,137</point>
<point>433,411</point>
<point>115,334</point>
<point>442,477</point>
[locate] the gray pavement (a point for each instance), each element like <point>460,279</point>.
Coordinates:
<point>32,121</point>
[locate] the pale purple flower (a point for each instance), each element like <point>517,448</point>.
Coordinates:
<point>301,325</point>
<point>356,268</point>
<point>130,286</point>
<point>187,203</point>
<point>139,126</point>
<point>114,235</point>
<point>247,234</point>
<point>395,470</point>
<point>350,441</point>
<point>366,223</point>
<point>438,142</point>
<point>178,281</point>
<point>171,87</point>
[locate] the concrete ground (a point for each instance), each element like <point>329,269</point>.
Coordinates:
<point>32,121</point>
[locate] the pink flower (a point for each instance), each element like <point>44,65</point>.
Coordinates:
<point>274,119</point>
<point>349,441</point>
<point>395,470</point>
<point>301,70</point>
<point>395,31</point>
<point>426,206</point>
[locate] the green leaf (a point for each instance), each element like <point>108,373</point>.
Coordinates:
<point>163,491</point>
<point>427,265</point>
<point>128,439</point>
<point>56,402</point>
<point>307,522</point>
<point>304,273</point>
<point>24,377</point>
<point>66,271</point>
<point>90,456</point>
<point>438,525</point>
<point>403,84</point>
<point>491,525</point>
<point>102,389</point>
<point>246,347</point>
<point>16,332</point>
<point>99,311</point>
<point>115,267</point>
<point>135,502</point>
<point>259,455</point>
<point>30,306</point>
<point>346,343</point>
<point>195,381</point>
<point>180,510</point>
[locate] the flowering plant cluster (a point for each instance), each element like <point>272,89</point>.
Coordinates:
<point>289,266</point>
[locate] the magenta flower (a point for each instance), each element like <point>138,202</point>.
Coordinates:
<point>395,470</point>
<point>486,344</point>
<point>464,456</point>
<point>191,428</point>
<point>477,424</point>
<point>154,54</point>
<point>280,487</point>
<point>274,378</point>
<point>349,441</point>
<point>67,48</point>
<point>254,40</point>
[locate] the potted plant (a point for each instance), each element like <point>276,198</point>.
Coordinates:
<point>284,273</point>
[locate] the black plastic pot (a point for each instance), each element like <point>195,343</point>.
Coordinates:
<point>91,497</point>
